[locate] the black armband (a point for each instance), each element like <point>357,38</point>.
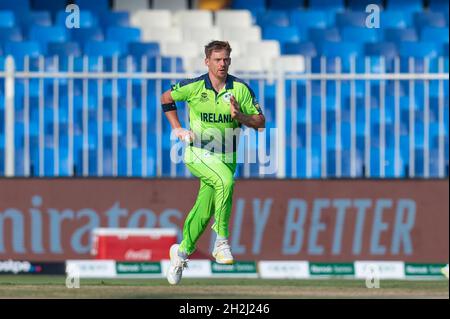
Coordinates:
<point>169,107</point>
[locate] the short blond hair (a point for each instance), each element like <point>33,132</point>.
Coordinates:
<point>217,46</point>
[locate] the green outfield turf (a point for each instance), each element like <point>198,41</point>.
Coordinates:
<point>54,287</point>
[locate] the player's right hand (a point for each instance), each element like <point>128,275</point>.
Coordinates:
<point>184,135</point>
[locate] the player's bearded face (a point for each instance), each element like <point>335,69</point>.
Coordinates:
<point>218,63</point>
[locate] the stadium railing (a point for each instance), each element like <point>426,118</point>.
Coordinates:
<point>331,121</point>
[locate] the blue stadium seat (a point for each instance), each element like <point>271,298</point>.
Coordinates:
<point>45,34</point>
<point>419,49</point>
<point>7,19</point>
<point>15,5</point>
<point>432,34</point>
<point>281,34</point>
<point>105,49</point>
<point>86,35</point>
<point>316,158</point>
<point>252,5</point>
<point>390,164</point>
<point>285,4</point>
<point>28,19</point>
<point>334,5</point>
<point>301,163</point>
<point>361,5</point>
<point>375,51</point>
<point>94,6</point>
<point>345,135</point>
<point>87,19</point>
<point>107,163</point>
<point>331,156</point>
<point>375,161</point>
<point>117,18</point>
<point>64,49</point>
<point>438,5</point>
<point>319,35</point>
<point>21,49</point>
<point>434,164</point>
<point>445,49</point>
<point>64,169</point>
<point>351,19</point>
<point>123,34</point>
<point>302,48</point>
<point>346,162</point>
<point>386,49</point>
<point>405,5</point>
<point>19,165</point>
<point>395,19</point>
<point>273,18</point>
<point>10,34</point>
<point>434,107</point>
<point>419,162</point>
<point>360,35</point>
<point>52,6</point>
<point>341,49</point>
<point>139,49</point>
<point>49,151</point>
<point>430,19</point>
<point>136,162</point>
<point>305,19</point>
<point>400,35</point>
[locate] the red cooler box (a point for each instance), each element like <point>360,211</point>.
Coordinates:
<point>132,244</point>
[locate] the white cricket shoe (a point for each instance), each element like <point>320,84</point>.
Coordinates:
<point>177,264</point>
<point>222,252</point>
<point>444,271</point>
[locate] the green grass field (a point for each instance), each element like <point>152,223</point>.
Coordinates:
<point>54,287</point>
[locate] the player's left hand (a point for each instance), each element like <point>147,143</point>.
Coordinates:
<point>234,107</point>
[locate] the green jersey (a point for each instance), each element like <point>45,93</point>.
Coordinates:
<point>209,111</point>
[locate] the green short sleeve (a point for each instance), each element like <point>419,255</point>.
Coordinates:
<point>184,90</point>
<point>250,105</point>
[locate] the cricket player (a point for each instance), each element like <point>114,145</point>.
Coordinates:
<point>218,103</point>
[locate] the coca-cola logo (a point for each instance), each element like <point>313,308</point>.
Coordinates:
<point>143,254</point>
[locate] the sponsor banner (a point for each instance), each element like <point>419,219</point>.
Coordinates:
<point>197,268</point>
<point>92,268</point>
<point>138,268</point>
<point>334,221</point>
<point>380,269</point>
<point>283,269</point>
<point>238,269</point>
<point>268,269</point>
<point>423,270</point>
<point>34,268</point>
<point>331,269</point>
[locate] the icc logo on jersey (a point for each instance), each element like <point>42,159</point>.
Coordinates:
<point>204,97</point>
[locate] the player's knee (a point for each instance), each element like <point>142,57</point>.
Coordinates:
<point>224,183</point>
<point>228,183</point>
